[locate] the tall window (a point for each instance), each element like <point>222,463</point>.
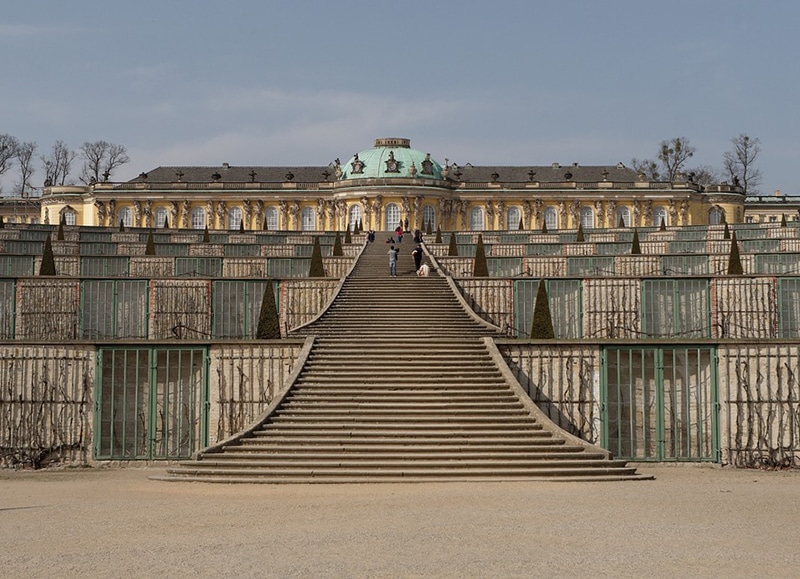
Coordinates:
<point>126,216</point>
<point>512,218</point>
<point>161,216</point>
<point>625,214</point>
<point>271,218</point>
<point>69,217</point>
<point>391,217</point>
<point>587,217</point>
<point>234,218</point>
<point>659,215</point>
<point>354,217</point>
<point>715,216</point>
<point>309,221</point>
<point>198,218</point>
<point>429,216</point>
<point>476,219</point>
<point>551,218</point>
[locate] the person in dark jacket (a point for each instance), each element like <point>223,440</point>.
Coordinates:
<point>417,255</point>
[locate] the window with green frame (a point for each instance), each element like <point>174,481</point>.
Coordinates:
<point>676,308</point>
<point>564,297</point>
<point>236,305</point>
<point>114,308</point>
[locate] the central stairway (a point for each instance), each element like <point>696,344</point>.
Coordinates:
<point>400,385</point>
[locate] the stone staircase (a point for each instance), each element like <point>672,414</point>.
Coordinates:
<point>400,385</point>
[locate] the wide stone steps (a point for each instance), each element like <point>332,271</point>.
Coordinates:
<point>398,387</point>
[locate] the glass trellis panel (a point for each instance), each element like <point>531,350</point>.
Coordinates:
<point>95,236</point>
<point>198,266</point>
<point>306,249</point>
<point>630,403</point>
<point>242,250</point>
<point>777,263</point>
<point>590,266</point>
<point>97,248</point>
<point>178,394</point>
<point>676,308</point>
<point>151,403</point>
<point>789,307</point>
<point>236,306</point>
<point>282,268</point>
<point>504,266</point>
<point>114,309</point>
<point>7,308</point>
<point>688,403</point>
<point>687,247</point>
<point>761,245</point>
<point>613,248</point>
<point>660,403</point>
<point>172,249</point>
<point>92,266</point>
<point>684,265</point>
<point>24,247</point>
<point>693,234</point>
<point>544,249</point>
<point>33,235</point>
<point>564,298</point>
<point>16,265</point>
<point>122,404</point>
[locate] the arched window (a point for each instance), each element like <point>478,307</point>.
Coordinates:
<point>271,218</point>
<point>161,216</point>
<point>198,216</point>
<point>125,216</point>
<point>354,217</point>
<point>234,218</point>
<point>659,215</point>
<point>587,217</point>
<point>391,217</point>
<point>476,219</point>
<point>716,216</point>
<point>309,220</point>
<point>551,218</point>
<point>429,217</point>
<point>513,218</point>
<point>624,214</point>
<point>70,217</point>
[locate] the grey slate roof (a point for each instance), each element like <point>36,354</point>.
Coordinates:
<point>467,173</point>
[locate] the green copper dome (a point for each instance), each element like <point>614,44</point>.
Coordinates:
<point>391,158</point>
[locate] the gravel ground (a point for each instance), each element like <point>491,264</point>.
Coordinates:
<point>691,521</point>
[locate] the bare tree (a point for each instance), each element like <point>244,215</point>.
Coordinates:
<point>8,151</point>
<point>24,159</point>
<point>100,159</point>
<point>739,163</point>
<point>703,175</point>
<point>673,155</point>
<point>58,164</point>
<point>646,168</point>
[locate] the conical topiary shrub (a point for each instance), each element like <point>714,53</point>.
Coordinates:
<point>317,268</point>
<point>337,246</point>
<point>150,249</point>
<point>48,265</point>
<point>60,232</point>
<point>726,234</point>
<point>783,221</point>
<point>579,238</point>
<point>2,222</point>
<point>121,225</point>
<point>542,325</point>
<point>438,234</point>
<point>663,226</point>
<point>360,226</point>
<point>269,327</point>
<point>347,238</point>
<point>264,225</point>
<point>206,236</point>
<point>166,222</point>
<point>521,224</point>
<point>428,229</point>
<point>734,261</point>
<point>481,267</point>
<point>241,226</point>
<point>636,249</point>
<point>544,226</point>
<point>452,250</point>
<point>621,223</point>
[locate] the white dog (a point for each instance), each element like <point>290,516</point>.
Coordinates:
<point>424,270</point>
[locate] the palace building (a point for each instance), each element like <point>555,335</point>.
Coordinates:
<point>388,185</point>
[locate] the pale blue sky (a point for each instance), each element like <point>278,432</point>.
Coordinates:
<point>505,82</point>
